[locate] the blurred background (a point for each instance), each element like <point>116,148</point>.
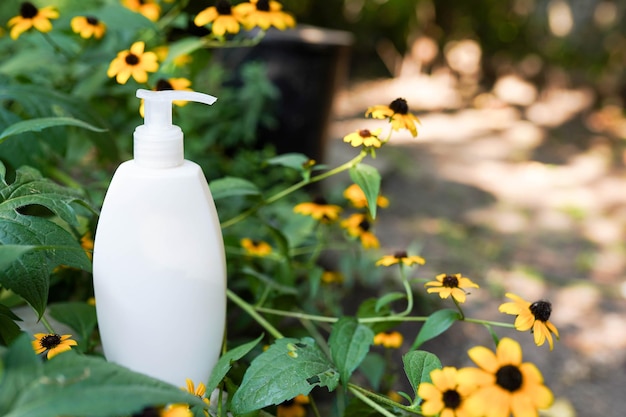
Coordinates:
<point>517,179</point>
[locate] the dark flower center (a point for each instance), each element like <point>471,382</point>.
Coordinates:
<point>509,377</point>
<point>263,5</point>
<point>364,225</point>
<point>541,310</point>
<point>450,281</point>
<point>223,7</point>
<point>132,59</point>
<point>451,399</point>
<point>163,85</point>
<point>28,10</point>
<point>365,133</point>
<point>399,106</point>
<point>50,341</point>
<point>93,21</point>
<point>400,255</point>
<point>148,412</point>
<point>320,201</point>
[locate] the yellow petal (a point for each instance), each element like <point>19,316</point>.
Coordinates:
<point>484,358</point>
<point>509,352</point>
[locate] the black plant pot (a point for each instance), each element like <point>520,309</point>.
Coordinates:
<point>307,64</point>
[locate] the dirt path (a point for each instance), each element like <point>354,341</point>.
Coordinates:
<point>527,197</point>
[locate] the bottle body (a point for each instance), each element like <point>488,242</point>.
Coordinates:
<point>160,274</point>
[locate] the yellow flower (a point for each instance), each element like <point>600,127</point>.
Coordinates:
<point>256,247</point>
<point>148,8</point>
<point>454,285</point>
<point>53,343</point>
<point>30,16</point>
<point>224,17</point>
<point>293,407</point>
<point>319,209</point>
<point>86,242</point>
<point>134,62</point>
<point>359,226</point>
<point>88,26</point>
<point>400,257</point>
<point>532,316</point>
<point>391,340</point>
<point>398,114</point>
<point>176,410</point>
<point>444,396</point>
<point>356,196</point>
<point>505,385</point>
<point>264,14</point>
<point>364,137</point>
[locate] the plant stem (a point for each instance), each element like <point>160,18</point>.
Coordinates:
<point>329,319</point>
<point>489,323</point>
<point>366,396</point>
<point>245,214</point>
<point>409,292</point>
<point>458,307</point>
<point>47,325</point>
<point>256,316</point>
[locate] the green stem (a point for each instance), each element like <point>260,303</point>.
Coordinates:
<point>47,325</point>
<point>368,396</point>
<point>409,292</point>
<point>245,214</point>
<point>489,323</point>
<point>328,319</point>
<point>256,316</point>
<point>458,307</point>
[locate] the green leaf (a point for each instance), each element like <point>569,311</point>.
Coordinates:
<point>37,125</point>
<point>368,178</point>
<point>46,243</point>
<point>81,317</point>
<point>418,364</point>
<point>9,330</point>
<point>290,160</point>
<point>286,369</point>
<point>225,363</point>
<point>388,299</point>
<point>349,343</point>
<point>231,187</point>
<point>79,385</point>
<point>373,368</point>
<point>11,253</point>
<point>437,323</point>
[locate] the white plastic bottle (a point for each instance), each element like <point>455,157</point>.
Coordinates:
<point>159,267</point>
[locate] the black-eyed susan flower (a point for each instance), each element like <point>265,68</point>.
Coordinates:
<point>355,195</point>
<point>86,242</point>
<point>444,396</point>
<point>255,247</point>
<point>398,114</point>
<point>390,340</point>
<point>52,343</point>
<point>175,410</point>
<point>133,62</point>
<point>319,209</point>
<point>293,407</point>
<point>358,225</point>
<point>450,285</point>
<point>364,137</point>
<point>505,385</point>
<point>32,17</point>
<point>400,258</point>
<point>148,8</point>
<point>88,26</point>
<point>532,316</point>
<point>264,14</point>
<point>223,16</point>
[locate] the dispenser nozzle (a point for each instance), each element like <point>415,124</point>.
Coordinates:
<point>158,104</point>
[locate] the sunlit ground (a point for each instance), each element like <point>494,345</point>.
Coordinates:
<point>522,189</point>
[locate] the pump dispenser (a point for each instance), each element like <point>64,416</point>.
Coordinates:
<point>159,267</point>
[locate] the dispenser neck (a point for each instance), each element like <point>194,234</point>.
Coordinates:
<point>158,149</point>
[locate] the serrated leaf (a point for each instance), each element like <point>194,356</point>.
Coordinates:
<point>38,124</point>
<point>286,369</point>
<point>437,323</point>
<point>226,360</point>
<point>78,385</point>
<point>231,187</point>
<point>11,253</point>
<point>368,178</point>
<point>349,343</point>
<point>388,299</point>
<point>418,364</point>
<point>79,316</point>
